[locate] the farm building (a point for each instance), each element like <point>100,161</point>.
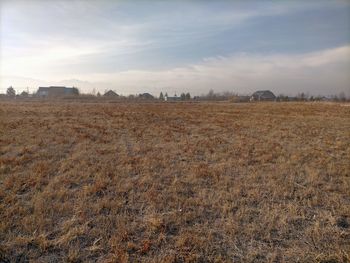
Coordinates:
<point>263,95</point>
<point>175,98</point>
<point>110,93</point>
<point>56,91</point>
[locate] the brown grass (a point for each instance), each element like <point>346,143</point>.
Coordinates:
<point>208,182</point>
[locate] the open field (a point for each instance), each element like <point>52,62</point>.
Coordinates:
<point>184,182</point>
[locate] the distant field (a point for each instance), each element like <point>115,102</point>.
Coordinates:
<point>177,182</point>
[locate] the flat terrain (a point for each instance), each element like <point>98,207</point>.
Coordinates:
<point>176,182</point>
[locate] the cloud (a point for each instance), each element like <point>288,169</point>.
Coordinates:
<point>323,72</point>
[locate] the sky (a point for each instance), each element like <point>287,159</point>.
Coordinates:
<point>133,47</point>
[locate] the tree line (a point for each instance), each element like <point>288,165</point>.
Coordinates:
<point>210,96</point>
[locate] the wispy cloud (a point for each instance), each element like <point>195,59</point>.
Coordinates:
<point>321,73</point>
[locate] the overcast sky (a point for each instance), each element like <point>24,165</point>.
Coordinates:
<point>177,46</point>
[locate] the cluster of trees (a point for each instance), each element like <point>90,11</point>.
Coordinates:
<point>235,97</point>
<point>213,96</point>
<point>11,92</point>
<point>306,97</point>
<point>186,96</point>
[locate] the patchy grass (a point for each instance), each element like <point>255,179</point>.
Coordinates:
<point>179,182</point>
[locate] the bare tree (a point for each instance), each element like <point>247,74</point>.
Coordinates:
<point>183,96</point>
<point>161,96</point>
<point>11,92</point>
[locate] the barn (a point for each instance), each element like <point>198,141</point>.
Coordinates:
<point>175,98</point>
<point>263,95</point>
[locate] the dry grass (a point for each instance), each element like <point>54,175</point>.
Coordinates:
<point>213,182</point>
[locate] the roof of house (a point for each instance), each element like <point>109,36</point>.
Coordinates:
<point>111,93</point>
<point>57,91</point>
<point>263,94</point>
<point>43,89</point>
<point>55,88</point>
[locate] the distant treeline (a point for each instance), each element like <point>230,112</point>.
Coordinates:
<point>235,97</point>
<point>210,96</point>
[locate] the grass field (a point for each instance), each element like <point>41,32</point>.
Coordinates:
<point>177,182</point>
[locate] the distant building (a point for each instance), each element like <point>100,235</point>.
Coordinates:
<point>263,95</point>
<point>175,98</point>
<point>56,91</point>
<point>110,93</point>
<point>43,92</point>
<point>146,96</point>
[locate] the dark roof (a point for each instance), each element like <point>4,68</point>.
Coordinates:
<point>56,88</point>
<point>263,94</point>
<point>43,89</point>
<point>57,91</point>
<point>111,93</point>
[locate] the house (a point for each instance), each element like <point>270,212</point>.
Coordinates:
<point>110,93</point>
<point>43,92</point>
<point>146,96</point>
<point>263,95</point>
<point>175,98</point>
<point>56,91</point>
